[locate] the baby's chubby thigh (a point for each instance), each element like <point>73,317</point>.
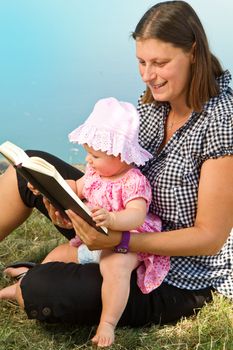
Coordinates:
<point>117,266</point>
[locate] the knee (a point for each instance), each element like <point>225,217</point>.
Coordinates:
<point>72,293</point>
<point>63,253</point>
<point>114,268</point>
<point>19,296</point>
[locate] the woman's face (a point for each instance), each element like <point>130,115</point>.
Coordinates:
<point>165,69</point>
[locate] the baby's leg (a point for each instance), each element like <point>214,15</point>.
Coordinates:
<point>116,270</point>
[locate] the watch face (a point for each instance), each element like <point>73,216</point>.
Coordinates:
<point>121,250</point>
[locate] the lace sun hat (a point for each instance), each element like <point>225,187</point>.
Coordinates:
<point>113,127</point>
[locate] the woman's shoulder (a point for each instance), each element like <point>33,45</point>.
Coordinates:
<point>218,127</point>
<point>219,111</point>
<point>221,106</point>
<point>224,105</point>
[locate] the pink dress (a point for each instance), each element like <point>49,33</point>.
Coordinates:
<point>113,195</point>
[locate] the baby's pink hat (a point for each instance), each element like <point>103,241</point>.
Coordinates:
<point>112,127</point>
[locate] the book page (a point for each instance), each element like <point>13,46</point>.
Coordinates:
<point>13,153</point>
<point>39,164</point>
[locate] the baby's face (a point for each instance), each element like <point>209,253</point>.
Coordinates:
<point>105,165</point>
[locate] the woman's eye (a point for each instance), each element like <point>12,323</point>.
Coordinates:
<point>142,63</point>
<point>160,64</point>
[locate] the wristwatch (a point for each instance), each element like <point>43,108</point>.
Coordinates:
<point>123,246</point>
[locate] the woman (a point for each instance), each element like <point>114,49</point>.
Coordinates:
<point>186,123</point>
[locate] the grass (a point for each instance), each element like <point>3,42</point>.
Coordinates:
<point>211,329</point>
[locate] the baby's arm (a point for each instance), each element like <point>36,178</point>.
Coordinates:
<point>129,218</point>
<point>77,186</point>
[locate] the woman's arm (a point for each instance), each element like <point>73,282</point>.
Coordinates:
<point>214,220</point>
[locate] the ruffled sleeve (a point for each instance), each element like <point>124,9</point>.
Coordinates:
<point>136,185</point>
<point>219,137</point>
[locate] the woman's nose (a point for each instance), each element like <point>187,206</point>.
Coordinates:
<point>148,74</point>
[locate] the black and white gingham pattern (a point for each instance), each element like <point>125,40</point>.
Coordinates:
<point>174,176</point>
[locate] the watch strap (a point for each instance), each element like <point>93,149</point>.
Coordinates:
<point>123,246</point>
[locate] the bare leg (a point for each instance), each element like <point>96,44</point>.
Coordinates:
<point>64,252</point>
<point>116,270</point>
<point>9,292</point>
<point>13,292</point>
<point>13,211</point>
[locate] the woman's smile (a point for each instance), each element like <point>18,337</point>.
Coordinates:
<point>157,86</point>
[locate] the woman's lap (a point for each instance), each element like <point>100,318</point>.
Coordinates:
<point>60,292</point>
<point>50,293</point>
<point>71,293</point>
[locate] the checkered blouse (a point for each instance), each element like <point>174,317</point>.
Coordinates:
<point>174,175</point>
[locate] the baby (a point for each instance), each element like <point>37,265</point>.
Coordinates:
<point>119,196</point>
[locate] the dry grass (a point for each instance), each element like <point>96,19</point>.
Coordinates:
<point>211,329</point>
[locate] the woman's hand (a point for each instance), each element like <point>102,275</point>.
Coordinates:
<point>33,189</point>
<point>90,236</point>
<point>55,216</point>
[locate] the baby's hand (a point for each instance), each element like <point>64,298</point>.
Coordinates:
<point>33,189</point>
<point>102,217</point>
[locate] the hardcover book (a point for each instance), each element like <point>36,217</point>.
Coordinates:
<point>46,179</point>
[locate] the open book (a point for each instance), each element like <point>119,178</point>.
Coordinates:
<point>46,179</point>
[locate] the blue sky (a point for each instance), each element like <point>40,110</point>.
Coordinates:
<point>58,57</point>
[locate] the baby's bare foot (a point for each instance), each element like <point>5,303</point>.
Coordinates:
<point>104,335</point>
<point>8,293</point>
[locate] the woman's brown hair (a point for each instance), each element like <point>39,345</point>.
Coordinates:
<point>177,23</point>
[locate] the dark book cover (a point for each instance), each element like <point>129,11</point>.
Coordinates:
<point>55,193</point>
